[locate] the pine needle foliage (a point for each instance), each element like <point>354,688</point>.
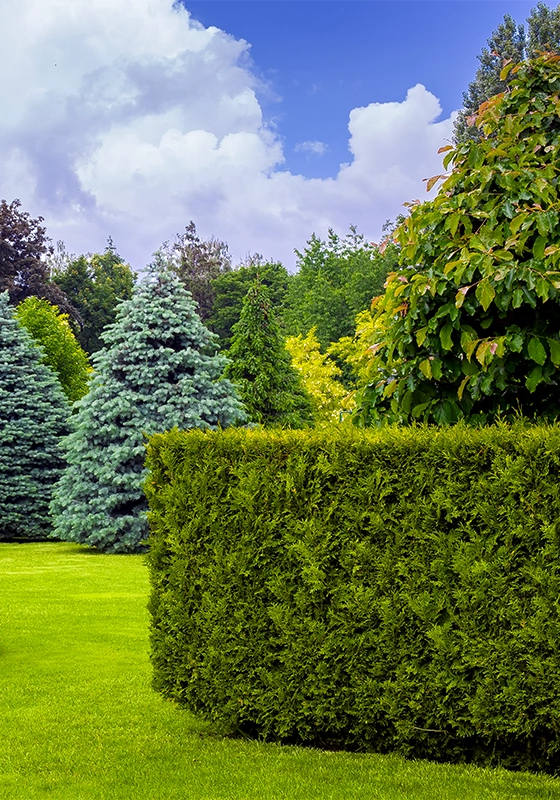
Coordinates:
<point>51,329</point>
<point>261,368</point>
<point>159,370</point>
<point>468,326</point>
<point>33,419</point>
<point>387,589</point>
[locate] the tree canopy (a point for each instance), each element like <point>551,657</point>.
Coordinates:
<point>230,289</point>
<point>198,263</point>
<point>337,278</point>
<point>24,247</point>
<point>468,326</point>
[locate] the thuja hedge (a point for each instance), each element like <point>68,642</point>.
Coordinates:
<point>387,590</point>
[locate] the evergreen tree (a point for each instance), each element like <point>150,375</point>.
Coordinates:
<point>231,287</point>
<point>261,368</point>
<point>158,370</point>
<point>51,329</point>
<point>33,418</point>
<point>509,42</point>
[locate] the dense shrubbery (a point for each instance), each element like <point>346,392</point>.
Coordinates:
<point>388,590</point>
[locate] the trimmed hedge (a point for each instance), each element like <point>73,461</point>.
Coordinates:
<point>385,590</point>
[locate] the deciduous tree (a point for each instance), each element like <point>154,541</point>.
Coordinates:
<point>468,327</point>
<point>198,263</point>
<point>337,279</point>
<point>51,329</point>
<point>24,247</point>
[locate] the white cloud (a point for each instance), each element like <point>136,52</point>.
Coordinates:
<point>313,148</point>
<point>128,118</point>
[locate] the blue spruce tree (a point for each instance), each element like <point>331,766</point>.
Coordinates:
<point>159,370</point>
<point>33,419</point>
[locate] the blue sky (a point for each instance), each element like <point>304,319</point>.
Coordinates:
<point>321,59</point>
<point>261,120</point>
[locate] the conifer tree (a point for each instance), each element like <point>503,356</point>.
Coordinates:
<point>158,370</point>
<point>261,367</point>
<point>51,329</point>
<point>33,418</point>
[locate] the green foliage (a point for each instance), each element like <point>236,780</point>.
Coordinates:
<point>393,589</point>
<point>33,418</point>
<point>158,371</point>
<point>230,289</point>
<point>471,329</point>
<point>508,43</point>
<point>320,377</point>
<point>95,284</point>
<point>198,263</point>
<point>261,368</point>
<point>51,329</point>
<point>336,279</point>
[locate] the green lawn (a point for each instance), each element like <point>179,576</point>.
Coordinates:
<point>78,719</point>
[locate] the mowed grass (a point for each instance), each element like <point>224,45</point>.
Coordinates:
<point>79,720</point>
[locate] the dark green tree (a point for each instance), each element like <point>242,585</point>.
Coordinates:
<point>159,370</point>
<point>230,289</point>
<point>336,280</point>
<point>198,263</point>
<point>95,284</point>
<point>261,368</point>
<point>33,418</point>
<point>509,42</point>
<point>468,327</point>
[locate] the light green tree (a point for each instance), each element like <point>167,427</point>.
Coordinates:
<point>320,377</point>
<point>51,329</point>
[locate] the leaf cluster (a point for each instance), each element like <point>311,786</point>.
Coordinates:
<point>336,279</point>
<point>95,284</point>
<point>468,326</point>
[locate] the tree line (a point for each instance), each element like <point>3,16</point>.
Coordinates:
<point>462,326</point>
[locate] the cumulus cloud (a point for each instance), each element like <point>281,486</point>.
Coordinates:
<point>130,118</point>
<point>313,148</point>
